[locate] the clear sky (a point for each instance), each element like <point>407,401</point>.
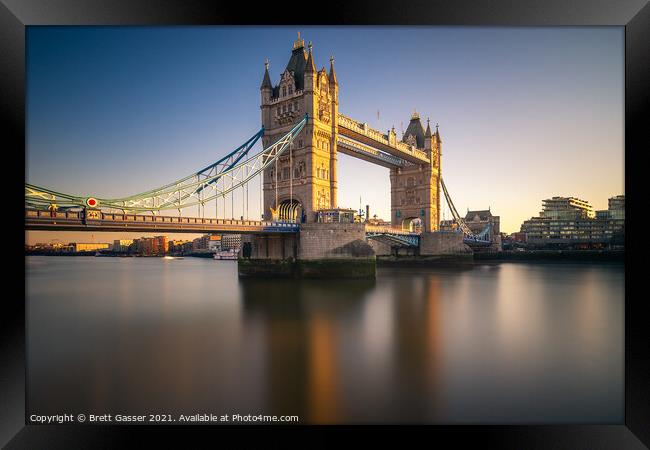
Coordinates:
<point>524,113</point>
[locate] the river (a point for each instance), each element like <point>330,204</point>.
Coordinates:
<point>494,343</point>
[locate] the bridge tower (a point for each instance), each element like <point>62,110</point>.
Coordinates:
<point>415,189</point>
<point>303,181</point>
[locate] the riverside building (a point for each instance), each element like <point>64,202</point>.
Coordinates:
<point>569,222</point>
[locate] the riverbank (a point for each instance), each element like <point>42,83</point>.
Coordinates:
<point>120,255</point>
<point>91,253</point>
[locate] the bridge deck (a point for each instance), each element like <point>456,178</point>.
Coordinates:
<point>74,221</point>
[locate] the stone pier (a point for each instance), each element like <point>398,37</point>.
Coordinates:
<point>319,250</point>
<point>439,247</point>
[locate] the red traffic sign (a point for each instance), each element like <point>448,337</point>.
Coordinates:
<point>92,202</point>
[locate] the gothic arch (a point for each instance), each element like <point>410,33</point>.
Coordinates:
<point>412,224</point>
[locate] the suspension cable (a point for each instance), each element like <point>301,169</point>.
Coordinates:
<point>276,185</point>
<point>260,199</point>
<point>291,180</point>
<point>247,199</point>
<point>202,204</point>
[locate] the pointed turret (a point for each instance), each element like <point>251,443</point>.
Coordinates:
<point>415,131</point>
<point>296,64</point>
<point>332,76</point>
<point>437,134</point>
<point>311,68</point>
<point>428,144</point>
<point>266,82</point>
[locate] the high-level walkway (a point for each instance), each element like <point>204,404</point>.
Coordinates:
<point>383,149</point>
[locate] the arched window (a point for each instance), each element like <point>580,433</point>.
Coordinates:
<point>290,90</point>
<point>284,91</point>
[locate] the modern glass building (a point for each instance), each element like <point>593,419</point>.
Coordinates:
<point>571,222</point>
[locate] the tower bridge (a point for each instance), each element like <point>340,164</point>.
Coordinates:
<point>302,132</point>
<point>307,179</point>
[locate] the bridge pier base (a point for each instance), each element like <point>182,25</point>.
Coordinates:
<point>436,248</point>
<point>319,250</point>
<point>441,243</point>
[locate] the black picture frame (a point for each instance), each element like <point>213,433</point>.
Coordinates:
<point>634,15</point>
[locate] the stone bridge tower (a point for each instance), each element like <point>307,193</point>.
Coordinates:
<point>304,180</point>
<point>415,189</point>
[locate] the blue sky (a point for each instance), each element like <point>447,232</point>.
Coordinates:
<point>524,113</point>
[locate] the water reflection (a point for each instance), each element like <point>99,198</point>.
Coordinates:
<point>494,343</point>
<point>302,338</point>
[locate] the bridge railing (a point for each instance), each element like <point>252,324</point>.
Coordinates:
<point>52,214</point>
<point>363,128</point>
<point>140,218</point>
<point>389,230</point>
<point>403,146</point>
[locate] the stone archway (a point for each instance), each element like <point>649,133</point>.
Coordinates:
<point>412,224</point>
<point>290,211</point>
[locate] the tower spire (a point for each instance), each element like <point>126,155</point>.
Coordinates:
<point>428,132</point>
<point>332,75</point>
<point>266,82</point>
<point>310,61</point>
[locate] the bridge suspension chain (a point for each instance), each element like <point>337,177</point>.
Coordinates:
<point>218,179</point>
<point>459,220</point>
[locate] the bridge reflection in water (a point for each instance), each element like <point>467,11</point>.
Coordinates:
<point>510,343</point>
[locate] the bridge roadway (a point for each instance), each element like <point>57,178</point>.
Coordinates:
<point>74,221</point>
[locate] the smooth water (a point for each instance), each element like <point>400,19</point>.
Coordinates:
<point>496,343</point>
